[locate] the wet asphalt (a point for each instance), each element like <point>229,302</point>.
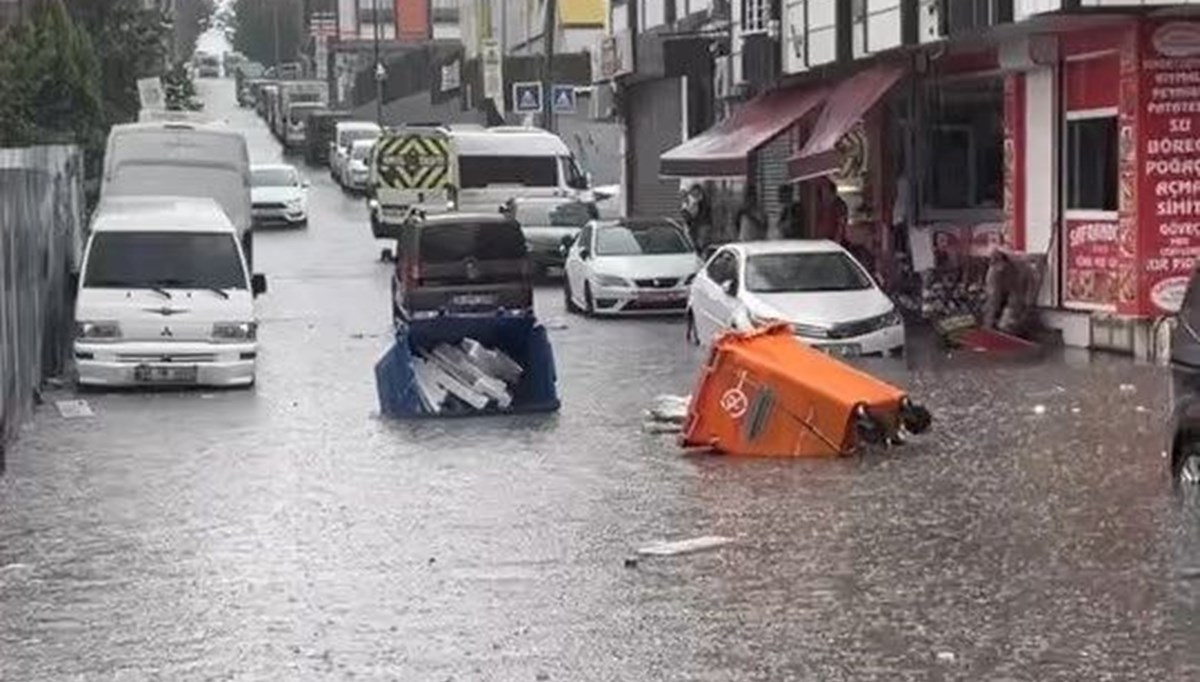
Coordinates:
<point>290,533</point>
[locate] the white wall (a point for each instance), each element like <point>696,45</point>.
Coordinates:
<point>1041,158</point>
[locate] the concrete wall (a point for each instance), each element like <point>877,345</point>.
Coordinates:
<point>41,228</point>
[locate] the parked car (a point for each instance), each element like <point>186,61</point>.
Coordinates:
<point>629,266</point>
<point>357,173</point>
<point>815,285</point>
<point>1184,430</point>
<point>319,138</point>
<point>278,195</point>
<point>461,264</point>
<point>547,231</point>
<point>345,134</point>
<point>165,297</point>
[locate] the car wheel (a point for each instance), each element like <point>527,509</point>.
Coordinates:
<point>693,336</point>
<point>568,297</point>
<point>589,304</point>
<point>1187,465</point>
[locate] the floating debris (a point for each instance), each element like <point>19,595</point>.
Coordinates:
<point>74,409</point>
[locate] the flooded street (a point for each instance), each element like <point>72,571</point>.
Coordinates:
<point>288,533</point>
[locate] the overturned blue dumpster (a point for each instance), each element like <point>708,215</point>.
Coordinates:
<point>452,366</point>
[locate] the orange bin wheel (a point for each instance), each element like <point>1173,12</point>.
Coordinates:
<point>763,393</point>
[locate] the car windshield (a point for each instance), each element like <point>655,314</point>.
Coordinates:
<point>456,242</point>
<point>804,272</point>
<point>349,137</point>
<point>178,260</point>
<point>274,177</point>
<point>300,114</point>
<point>361,152</point>
<point>641,241</point>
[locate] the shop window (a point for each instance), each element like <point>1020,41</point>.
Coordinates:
<point>1092,163</point>
<point>964,150</point>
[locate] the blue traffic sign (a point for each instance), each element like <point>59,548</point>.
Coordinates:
<point>527,97</point>
<point>564,99</point>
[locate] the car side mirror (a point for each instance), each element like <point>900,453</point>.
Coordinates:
<point>730,287</point>
<point>584,253</point>
<point>258,284</point>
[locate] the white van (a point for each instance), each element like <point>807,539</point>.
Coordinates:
<point>345,134</point>
<point>165,297</point>
<point>529,164</point>
<point>182,159</point>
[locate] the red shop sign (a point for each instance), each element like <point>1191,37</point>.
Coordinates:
<point>1168,193</point>
<point>1092,259</point>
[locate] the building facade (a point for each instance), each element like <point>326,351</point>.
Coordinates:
<point>933,131</point>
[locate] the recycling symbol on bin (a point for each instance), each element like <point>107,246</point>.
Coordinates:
<point>734,401</point>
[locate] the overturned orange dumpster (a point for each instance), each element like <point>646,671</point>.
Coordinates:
<point>763,393</point>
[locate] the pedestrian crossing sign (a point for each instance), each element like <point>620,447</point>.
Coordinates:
<point>564,99</point>
<point>527,97</point>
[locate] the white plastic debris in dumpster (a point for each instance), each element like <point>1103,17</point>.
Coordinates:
<point>476,376</point>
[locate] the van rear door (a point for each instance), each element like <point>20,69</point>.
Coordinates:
<point>470,266</point>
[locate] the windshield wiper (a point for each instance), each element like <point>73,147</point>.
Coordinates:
<point>220,292</point>
<point>160,291</point>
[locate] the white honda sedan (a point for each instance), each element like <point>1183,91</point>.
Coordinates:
<point>816,286</point>
<point>629,266</point>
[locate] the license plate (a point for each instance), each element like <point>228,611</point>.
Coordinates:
<point>842,350</point>
<point>655,296</point>
<point>473,299</point>
<point>156,374</point>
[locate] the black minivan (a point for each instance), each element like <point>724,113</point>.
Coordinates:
<point>1184,430</point>
<point>461,264</point>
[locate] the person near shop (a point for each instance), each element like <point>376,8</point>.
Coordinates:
<point>791,220</point>
<point>750,220</point>
<point>697,216</point>
<point>1009,288</point>
<point>861,253</point>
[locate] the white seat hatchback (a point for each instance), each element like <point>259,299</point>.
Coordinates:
<point>816,286</point>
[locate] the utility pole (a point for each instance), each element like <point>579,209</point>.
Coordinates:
<point>548,32</point>
<point>380,73</point>
<point>275,10</point>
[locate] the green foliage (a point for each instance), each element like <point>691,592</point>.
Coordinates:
<point>49,82</point>
<point>192,18</point>
<point>180,90</point>
<point>255,24</point>
<point>130,43</point>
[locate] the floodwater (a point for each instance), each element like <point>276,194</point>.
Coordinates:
<point>289,533</point>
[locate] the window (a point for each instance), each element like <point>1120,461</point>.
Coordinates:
<point>649,241</point>
<point>756,14</point>
<point>723,267</point>
<point>803,272</point>
<point>481,241</point>
<point>964,148</point>
<point>273,177</point>
<point>1092,163</point>
<point>524,171</point>
<point>176,260</point>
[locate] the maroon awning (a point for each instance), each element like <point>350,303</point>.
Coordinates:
<point>846,105</point>
<point>724,149</point>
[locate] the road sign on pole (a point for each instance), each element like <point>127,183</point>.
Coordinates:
<point>527,97</point>
<point>564,99</point>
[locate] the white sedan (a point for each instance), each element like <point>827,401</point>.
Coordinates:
<point>815,286</point>
<point>278,195</point>
<point>629,266</point>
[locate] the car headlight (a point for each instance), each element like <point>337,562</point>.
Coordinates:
<point>809,331</point>
<point>235,331</point>
<point>612,281</point>
<point>295,204</point>
<point>98,331</point>
<point>891,319</point>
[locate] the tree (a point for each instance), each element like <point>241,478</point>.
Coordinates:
<point>49,78</point>
<point>192,18</point>
<point>130,43</point>
<point>180,90</point>
<point>256,25</point>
